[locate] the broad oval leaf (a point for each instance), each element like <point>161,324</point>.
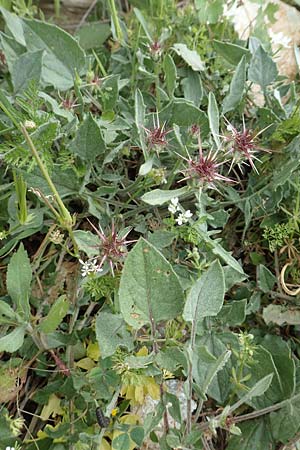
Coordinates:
<point>263,69</point>
<point>206,295</point>
<point>149,288</point>
<point>237,86</point>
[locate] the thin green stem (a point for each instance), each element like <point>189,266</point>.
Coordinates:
<point>115,18</point>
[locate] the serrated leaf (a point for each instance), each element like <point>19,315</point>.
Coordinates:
<point>206,295</point>
<point>237,86</point>
<point>191,57</point>
<point>159,196</point>
<point>111,333</point>
<point>149,288</point>
<point>88,143</point>
<point>13,341</point>
<point>55,316</point>
<point>18,282</point>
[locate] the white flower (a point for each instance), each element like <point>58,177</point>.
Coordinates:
<point>10,448</point>
<point>89,266</point>
<point>280,39</point>
<point>183,217</point>
<point>173,206</point>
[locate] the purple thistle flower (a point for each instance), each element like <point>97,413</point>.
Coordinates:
<point>113,247</point>
<point>205,168</point>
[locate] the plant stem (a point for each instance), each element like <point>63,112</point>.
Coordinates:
<point>115,19</point>
<point>65,216</point>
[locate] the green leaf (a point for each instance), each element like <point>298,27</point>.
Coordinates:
<point>88,143</point>
<point>257,390</point>
<point>121,442</point>
<point>93,34</point>
<point>143,23</point>
<point>87,242</point>
<point>63,56</point>
<point>256,435</point>
<point>231,52</point>
<point>285,423</point>
<point>283,383</point>
<point>192,88</point>
<point>13,341</point>
<point>137,435</point>
<point>139,108</point>
<point>213,117</point>
<point>191,57</point>
<point>213,367</point>
<point>55,316</point>
<point>149,288</point>
<point>184,114</point>
<point>206,295</point>
<point>170,74</point>
<point>11,49</point>
<point>159,196</point>
<point>280,315</point>
<point>18,281</point>
<point>27,67</point>
<point>233,313</point>
<point>15,26</point>
<point>262,70</point>
<point>237,86</point>
<point>7,314</point>
<point>111,333</point>
<point>110,93</point>
<point>266,279</point>
<point>209,11</point>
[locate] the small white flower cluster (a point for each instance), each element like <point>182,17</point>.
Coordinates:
<point>10,448</point>
<point>183,216</point>
<point>89,266</point>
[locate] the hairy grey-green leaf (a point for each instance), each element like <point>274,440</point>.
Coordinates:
<point>170,74</point>
<point>63,55</point>
<point>112,333</point>
<point>263,69</point>
<point>55,316</point>
<point>206,295</point>
<point>159,196</point>
<point>27,68</point>
<point>87,242</point>
<point>150,291</point>
<point>192,87</point>
<point>11,342</point>
<point>88,143</point>
<point>237,86</point>
<point>259,388</point>
<point>18,281</point>
<point>213,117</point>
<point>231,52</point>
<point>191,57</point>
<point>280,314</point>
